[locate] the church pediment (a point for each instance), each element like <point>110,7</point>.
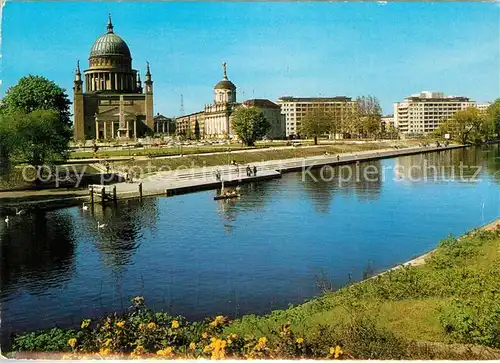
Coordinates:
<point>114,112</point>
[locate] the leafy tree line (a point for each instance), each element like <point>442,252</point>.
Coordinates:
<point>35,125</point>
<point>363,120</point>
<point>473,126</point>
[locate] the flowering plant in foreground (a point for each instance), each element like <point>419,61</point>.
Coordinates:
<point>141,333</point>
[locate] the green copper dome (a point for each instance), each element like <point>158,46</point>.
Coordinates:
<point>110,44</point>
<point>225,84</point>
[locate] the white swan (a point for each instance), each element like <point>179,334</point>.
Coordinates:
<point>99,225</point>
<point>7,219</point>
<point>19,211</point>
<point>85,207</point>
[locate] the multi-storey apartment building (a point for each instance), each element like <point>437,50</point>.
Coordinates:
<point>422,113</point>
<point>295,108</point>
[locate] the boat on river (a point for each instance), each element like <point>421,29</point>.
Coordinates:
<point>227,194</point>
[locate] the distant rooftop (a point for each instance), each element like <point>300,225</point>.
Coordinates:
<point>436,96</point>
<point>264,103</point>
<point>315,99</point>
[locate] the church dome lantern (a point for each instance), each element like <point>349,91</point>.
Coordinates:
<point>225,90</point>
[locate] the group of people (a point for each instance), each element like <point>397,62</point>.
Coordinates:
<point>251,170</point>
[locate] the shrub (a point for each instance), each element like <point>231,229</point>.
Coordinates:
<point>473,321</point>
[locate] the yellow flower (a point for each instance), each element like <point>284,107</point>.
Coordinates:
<point>120,324</point>
<point>233,336</point>
<point>175,324</point>
<point>138,350</point>
<point>104,351</point>
<point>207,348</point>
<point>151,326</point>
<point>192,346</point>
<point>219,320</point>
<point>108,342</point>
<point>85,323</point>
<point>229,341</point>
<point>332,350</point>
<point>168,351</point>
<point>300,340</point>
<point>72,342</point>
<point>142,326</point>
<point>338,352</point>
<point>204,335</point>
<point>261,343</point>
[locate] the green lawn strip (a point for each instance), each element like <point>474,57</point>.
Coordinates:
<point>14,177</point>
<point>193,161</point>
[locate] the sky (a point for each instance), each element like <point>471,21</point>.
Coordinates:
<point>301,49</point>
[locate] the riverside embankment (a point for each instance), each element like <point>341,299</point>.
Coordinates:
<point>186,179</point>
<point>416,312</point>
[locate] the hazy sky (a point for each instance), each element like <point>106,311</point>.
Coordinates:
<point>271,49</point>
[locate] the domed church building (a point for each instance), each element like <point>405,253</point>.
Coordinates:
<point>110,101</point>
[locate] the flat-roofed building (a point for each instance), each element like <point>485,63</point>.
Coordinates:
<point>294,109</point>
<point>386,122</point>
<point>191,126</point>
<point>422,113</point>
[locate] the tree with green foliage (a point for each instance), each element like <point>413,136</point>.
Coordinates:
<point>42,137</point>
<point>37,93</point>
<point>316,122</point>
<point>7,138</point>
<point>467,125</point>
<point>249,124</point>
<point>493,116</point>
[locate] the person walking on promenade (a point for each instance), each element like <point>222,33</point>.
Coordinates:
<point>249,171</point>
<point>338,157</point>
<point>254,170</point>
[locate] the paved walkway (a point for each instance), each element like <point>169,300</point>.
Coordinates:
<point>189,180</point>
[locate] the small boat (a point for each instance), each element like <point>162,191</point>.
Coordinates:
<point>227,196</point>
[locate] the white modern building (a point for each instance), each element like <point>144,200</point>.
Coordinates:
<point>422,113</point>
<point>483,106</point>
<point>295,108</point>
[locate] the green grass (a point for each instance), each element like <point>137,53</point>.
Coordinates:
<point>453,298</point>
<point>193,161</point>
<point>13,178</point>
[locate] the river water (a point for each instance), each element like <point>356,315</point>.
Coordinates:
<point>275,246</point>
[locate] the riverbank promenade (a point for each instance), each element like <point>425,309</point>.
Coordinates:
<point>190,180</point>
<point>181,181</point>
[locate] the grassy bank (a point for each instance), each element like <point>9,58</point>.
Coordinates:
<point>408,313</point>
<point>452,298</point>
<point>23,177</point>
<point>193,161</point>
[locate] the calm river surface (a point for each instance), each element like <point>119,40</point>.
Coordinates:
<point>193,256</point>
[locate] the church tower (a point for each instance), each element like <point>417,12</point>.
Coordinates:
<point>148,91</point>
<point>78,104</point>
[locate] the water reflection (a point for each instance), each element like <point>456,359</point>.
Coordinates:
<point>36,254</point>
<point>363,179</point>
<point>230,208</point>
<point>125,224</point>
<point>463,165</point>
